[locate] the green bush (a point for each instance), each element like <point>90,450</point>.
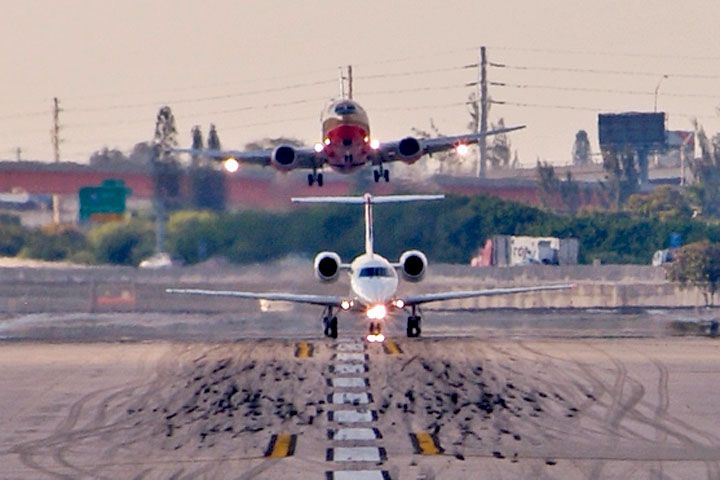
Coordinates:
<point>12,238</point>
<point>54,243</point>
<point>122,243</point>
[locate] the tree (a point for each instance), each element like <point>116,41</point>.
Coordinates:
<point>581,149</point>
<point>165,167</point>
<point>207,182</point>
<point>499,150</point>
<point>197,144</point>
<point>551,187</point>
<point>697,264</point>
<point>665,202</point>
<point>621,174</point>
<point>707,172</point>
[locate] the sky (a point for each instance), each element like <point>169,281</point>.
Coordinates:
<point>267,68</point>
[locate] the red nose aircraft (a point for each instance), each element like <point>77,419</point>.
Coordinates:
<point>346,145</point>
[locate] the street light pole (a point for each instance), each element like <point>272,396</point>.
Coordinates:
<point>657,89</point>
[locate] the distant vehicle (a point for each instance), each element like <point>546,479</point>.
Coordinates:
<point>346,146</point>
<point>508,250</point>
<point>373,279</point>
<point>159,260</point>
<point>661,257</point>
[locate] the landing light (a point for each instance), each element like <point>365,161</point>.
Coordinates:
<point>462,149</point>
<point>399,303</point>
<point>377,312</point>
<point>326,141</point>
<point>346,304</point>
<point>374,143</point>
<point>319,147</point>
<point>231,165</point>
<point>379,338</point>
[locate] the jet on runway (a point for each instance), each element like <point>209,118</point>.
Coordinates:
<point>373,279</point>
<point>346,146</point>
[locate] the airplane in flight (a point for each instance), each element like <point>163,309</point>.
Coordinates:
<point>373,279</point>
<point>346,146</point>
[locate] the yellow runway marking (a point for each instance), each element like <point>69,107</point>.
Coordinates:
<point>281,446</point>
<point>304,350</point>
<point>391,348</point>
<point>425,444</point>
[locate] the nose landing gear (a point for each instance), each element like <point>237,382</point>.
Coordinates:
<point>330,323</point>
<point>381,172</point>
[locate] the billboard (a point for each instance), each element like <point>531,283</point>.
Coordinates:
<point>632,128</point>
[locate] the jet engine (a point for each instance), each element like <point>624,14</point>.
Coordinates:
<point>413,264</point>
<point>283,157</point>
<point>410,149</point>
<point>327,266</point>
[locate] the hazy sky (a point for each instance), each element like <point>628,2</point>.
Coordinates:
<point>259,69</point>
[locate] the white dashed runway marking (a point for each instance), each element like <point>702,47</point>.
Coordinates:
<point>355,434</point>
<point>352,416</point>
<point>349,382</point>
<point>349,443</point>
<point>350,397</point>
<point>358,475</point>
<point>350,357</point>
<point>356,454</point>
<point>345,368</point>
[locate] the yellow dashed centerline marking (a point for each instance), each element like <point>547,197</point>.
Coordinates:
<point>425,444</point>
<point>304,350</point>
<point>391,348</point>
<point>281,446</point>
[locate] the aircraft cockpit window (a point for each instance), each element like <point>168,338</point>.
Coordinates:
<point>374,272</point>
<point>344,108</point>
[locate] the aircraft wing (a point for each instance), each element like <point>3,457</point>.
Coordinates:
<point>305,157</point>
<point>324,300</point>
<point>438,297</point>
<point>389,150</point>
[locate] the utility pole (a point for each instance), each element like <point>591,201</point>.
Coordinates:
<point>342,82</point>
<point>350,82</point>
<point>56,153</point>
<point>18,154</point>
<point>482,124</point>
<point>56,129</point>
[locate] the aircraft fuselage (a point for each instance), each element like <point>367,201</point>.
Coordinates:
<point>346,136</point>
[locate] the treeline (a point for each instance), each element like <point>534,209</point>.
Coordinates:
<point>449,230</point>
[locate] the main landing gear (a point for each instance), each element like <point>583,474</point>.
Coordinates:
<point>413,324</point>
<point>315,177</point>
<point>330,323</point>
<point>375,328</point>
<point>381,172</point>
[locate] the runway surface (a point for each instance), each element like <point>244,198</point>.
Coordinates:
<point>497,395</point>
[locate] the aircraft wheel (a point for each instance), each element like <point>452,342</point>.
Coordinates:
<point>413,327</point>
<point>386,175</point>
<point>376,176</point>
<point>320,179</point>
<point>333,328</point>
<point>311,179</point>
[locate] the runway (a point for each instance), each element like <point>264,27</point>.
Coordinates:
<point>496,403</point>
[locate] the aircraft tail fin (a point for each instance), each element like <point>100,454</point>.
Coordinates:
<point>368,200</point>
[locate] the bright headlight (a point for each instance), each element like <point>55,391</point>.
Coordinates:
<point>377,312</point>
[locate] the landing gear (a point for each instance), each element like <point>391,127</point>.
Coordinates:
<point>375,328</point>
<point>381,172</point>
<point>315,177</point>
<point>330,323</point>
<point>413,324</point>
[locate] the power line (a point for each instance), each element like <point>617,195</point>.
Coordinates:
<point>604,72</point>
<point>606,53</point>
<point>600,90</point>
<point>584,108</point>
<point>411,90</point>
<point>206,99</point>
<point>416,72</point>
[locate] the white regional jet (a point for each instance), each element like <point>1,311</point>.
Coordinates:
<point>373,279</point>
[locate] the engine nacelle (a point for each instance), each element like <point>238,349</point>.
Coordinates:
<point>327,266</point>
<point>283,157</point>
<point>410,149</point>
<point>413,265</point>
